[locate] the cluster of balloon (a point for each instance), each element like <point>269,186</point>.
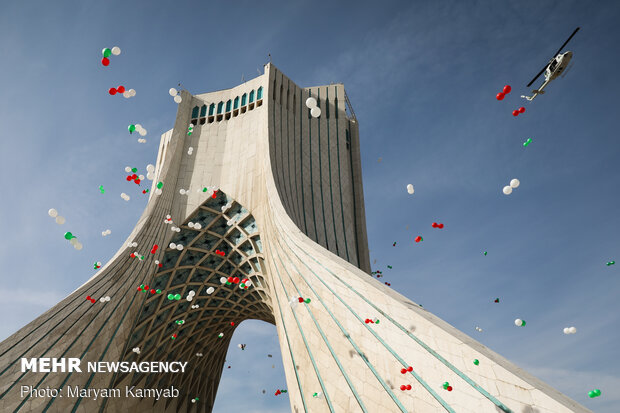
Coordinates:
<point>174,297</point>
<point>91,299</point>
<point>418,239</point>
<point>175,229</point>
<point>190,150</point>
<point>496,300</point>
<point>278,392</point>
<point>408,369</point>
<point>311,104</point>
<point>220,253</point>
<point>175,94</point>
<point>594,393</point>
<point>158,188</point>
<point>73,240</point>
<point>527,142</point>
<point>241,346</point>
<point>214,194</point>
<point>106,233</point>
<point>173,336</point>
<point>195,306</point>
<point>101,189</point>
<point>180,322</point>
<point>154,249</point>
<point>121,89</point>
<point>178,247</point>
<point>389,266</point>
<point>318,395</point>
<point>503,93</point>
<point>145,191</point>
<point>405,387</point>
<point>570,330</point>
<point>136,350</point>
<point>194,225</point>
<point>388,284</point>
<point>485,253</point>
<point>135,254</point>
<point>190,129</point>
<point>436,225</point>
<point>54,214</point>
<point>610,263</point>
<point>136,128</point>
<point>184,191</point>
<point>519,322</point>
<point>150,172</point>
<point>106,52</point>
<point>159,264</point>
<point>517,111</point>
<point>132,244</point>
<point>220,335</point>
<point>146,289</point>
<point>190,295</point>
<point>447,386</point>
<point>410,189</point>
<point>198,354</point>
<point>245,284</point>
<point>302,300</point>
<point>514,183</point>
<point>141,140</point>
<point>195,399</point>
<point>97,265</point>
<point>476,362</point>
<point>125,196</point>
<point>227,206</point>
<point>478,329</point>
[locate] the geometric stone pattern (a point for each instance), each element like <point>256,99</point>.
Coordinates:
<point>297,230</point>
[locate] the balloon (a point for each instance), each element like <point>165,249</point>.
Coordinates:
<point>105,61</point>
<point>112,91</point>
<point>142,132</point>
<point>223,280</point>
<point>172,245</point>
<point>515,113</point>
<point>527,142</point>
<point>52,213</point>
<point>126,94</point>
<point>132,92</point>
<point>315,112</point>
<point>60,220</point>
<point>210,290</point>
<point>521,109</point>
<point>120,89</point>
<point>507,190</point>
<point>572,330</point>
<point>506,90</point>
<point>158,191</point>
<point>116,50</point>
<point>403,387</point>
<point>106,52</point>
<point>409,387</point>
<point>68,235</point>
<point>476,362</point>
<point>179,247</point>
<point>150,168</point>
<point>182,191</point>
<point>514,183</point>
<point>410,189</point>
<point>418,239</point>
<point>131,128</point>
<point>518,322</point>
<point>177,297</point>
<point>500,96</point>
<point>128,169</point>
<point>159,185</point>
<point>177,99</point>
<point>173,92</point>
<point>311,102</point>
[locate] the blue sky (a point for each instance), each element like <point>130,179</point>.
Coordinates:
<point>422,78</point>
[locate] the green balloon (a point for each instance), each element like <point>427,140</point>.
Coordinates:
<point>106,52</point>
<point>177,297</point>
<point>170,297</point>
<point>159,185</point>
<point>597,392</point>
<point>523,325</point>
<point>158,291</point>
<point>68,235</point>
<point>591,394</point>
<point>476,362</point>
<point>131,128</point>
<point>307,301</point>
<point>134,170</point>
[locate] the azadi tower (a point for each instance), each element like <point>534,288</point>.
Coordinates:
<point>284,208</point>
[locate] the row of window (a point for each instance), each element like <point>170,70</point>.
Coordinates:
<point>232,108</point>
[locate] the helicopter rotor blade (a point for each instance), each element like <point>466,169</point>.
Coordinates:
<point>566,42</point>
<point>537,76</point>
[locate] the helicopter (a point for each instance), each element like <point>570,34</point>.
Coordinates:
<point>556,66</point>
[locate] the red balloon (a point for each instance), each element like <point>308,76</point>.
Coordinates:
<point>403,371</point>
<point>409,368</point>
<point>121,89</point>
<point>128,178</point>
<point>153,291</point>
<point>88,297</point>
<point>434,225</point>
<point>93,300</point>
<point>139,288</point>
<point>137,181</point>
<point>507,89</point>
<point>409,387</point>
<point>105,61</point>
<point>132,255</point>
<point>521,109</point>
<point>112,91</point>
<point>418,238</point>
<point>301,300</point>
<point>146,287</point>
<point>500,96</point>
<point>134,176</point>
<point>230,279</point>
<point>515,113</point>
<point>440,226</point>
<point>236,280</point>
<point>403,387</point>
<point>160,265</point>
<point>449,388</point>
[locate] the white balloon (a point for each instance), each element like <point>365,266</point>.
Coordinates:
<point>60,220</point>
<point>515,183</point>
<point>73,241</point>
<point>177,99</point>
<point>52,213</point>
<point>179,247</point>
<point>572,330</point>
<point>141,177</point>
<point>78,246</point>
<point>189,297</point>
<point>223,280</point>
<point>507,190</point>
<point>142,132</point>
<point>410,189</point>
<point>518,322</point>
<point>190,224</point>
<point>172,245</point>
<point>173,92</point>
<point>182,191</point>
<point>210,290</point>
<point>126,94</point>
<point>150,176</point>
<point>197,226</point>
<point>128,169</point>
<point>566,330</point>
<point>116,50</point>
<point>132,92</point>
<point>192,293</point>
<point>150,168</point>
<point>311,102</point>
<point>315,112</point>
<point>158,191</point>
